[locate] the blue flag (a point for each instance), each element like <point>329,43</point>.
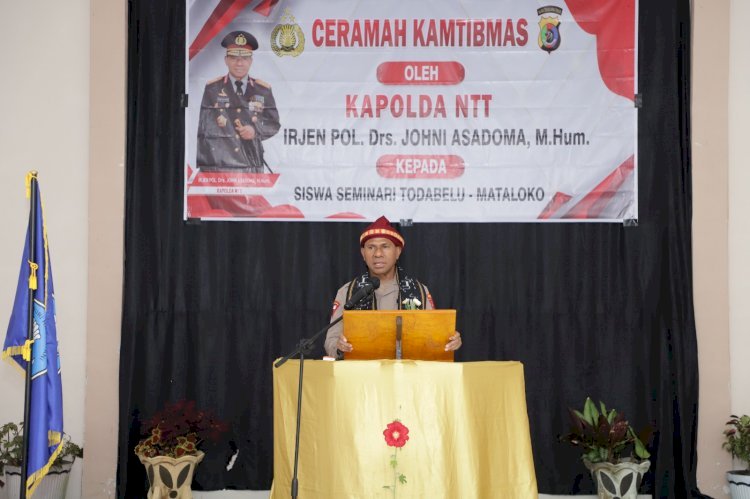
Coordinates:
<point>45,426</point>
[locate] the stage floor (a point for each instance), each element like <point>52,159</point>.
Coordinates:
<point>264,494</point>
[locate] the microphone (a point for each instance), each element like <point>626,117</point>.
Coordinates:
<point>363,292</point>
<point>375,283</point>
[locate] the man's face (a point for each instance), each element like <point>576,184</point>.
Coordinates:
<point>381,255</point>
<point>238,65</point>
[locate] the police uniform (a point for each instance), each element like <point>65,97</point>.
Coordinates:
<point>387,296</point>
<point>221,147</point>
<point>387,299</point>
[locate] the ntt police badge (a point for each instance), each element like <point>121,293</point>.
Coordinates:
<point>549,28</point>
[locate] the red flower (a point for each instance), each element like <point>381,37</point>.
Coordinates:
<point>396,434</point>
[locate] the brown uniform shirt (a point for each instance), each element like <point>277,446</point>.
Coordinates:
<point>386,296</point>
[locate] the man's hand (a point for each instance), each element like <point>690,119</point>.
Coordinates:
<point>344,345</point>
<point>454,342</point>
<point>247,132</point>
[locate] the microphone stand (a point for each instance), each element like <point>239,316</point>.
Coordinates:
<point>303,348</point>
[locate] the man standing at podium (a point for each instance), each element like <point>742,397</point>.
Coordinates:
<point>381,246</point>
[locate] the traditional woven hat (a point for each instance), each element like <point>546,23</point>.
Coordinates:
<point>381,228</point>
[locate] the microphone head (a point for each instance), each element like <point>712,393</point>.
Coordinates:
<point>375,282</point>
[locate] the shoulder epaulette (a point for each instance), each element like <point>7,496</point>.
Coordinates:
<point>214,80</point>
<point>350,289</point>
<point>262,83</point>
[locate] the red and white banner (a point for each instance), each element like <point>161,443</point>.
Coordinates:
<point>442,111</point>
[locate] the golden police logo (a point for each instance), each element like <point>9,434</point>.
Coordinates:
<point>240,40</point>
<point>549,28</point>
<point>287,37</point>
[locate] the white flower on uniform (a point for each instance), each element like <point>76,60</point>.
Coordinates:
<point>411,304</point>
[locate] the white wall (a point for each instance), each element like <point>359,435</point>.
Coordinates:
<point>710,67</point>
<point>44,126</point>
<point>106,208</point>
<point>739,206</point>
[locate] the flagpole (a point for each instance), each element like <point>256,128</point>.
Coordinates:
<point>29,337</point>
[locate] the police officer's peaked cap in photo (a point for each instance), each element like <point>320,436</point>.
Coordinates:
<point>240,43</point>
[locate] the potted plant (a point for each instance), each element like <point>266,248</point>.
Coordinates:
<point>54,484</point>
<point>608,443</point>
<point>170,449</point>
<point>737,442</point>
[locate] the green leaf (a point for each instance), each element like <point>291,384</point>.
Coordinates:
<point>590,411</point>
<point>640,449</point>
<point>580,416</point>
<point>611,416</point>
<point>594,412</point>
<point>394,463</point>
<point>592,456</point>
<point>402,479</point>
<point>602,407</point>
<point>587,411</point>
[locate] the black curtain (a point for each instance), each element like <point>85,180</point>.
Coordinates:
<point>598,310</point>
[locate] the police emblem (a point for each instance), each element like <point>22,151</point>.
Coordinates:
<point>287,37</point>
<point>549,28</point>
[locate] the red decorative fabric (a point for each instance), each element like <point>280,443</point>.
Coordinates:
<point>223,14</point>
<point>613,24</point>
<point>595,201</point>
<point>265,7</point>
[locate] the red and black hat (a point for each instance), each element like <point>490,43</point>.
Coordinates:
<point>240,43</point>
<point>381,228</point>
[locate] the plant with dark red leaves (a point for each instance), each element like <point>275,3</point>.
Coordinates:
<point>178,430</point>
<point>737,438</point>
<point>604,435</point>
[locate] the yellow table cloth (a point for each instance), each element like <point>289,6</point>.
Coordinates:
<point>467,425</point>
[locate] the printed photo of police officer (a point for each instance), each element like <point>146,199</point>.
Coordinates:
<point>238,112</point>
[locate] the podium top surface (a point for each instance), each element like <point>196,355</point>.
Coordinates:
<point>374,334</point>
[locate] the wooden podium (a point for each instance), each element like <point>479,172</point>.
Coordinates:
<point>399,334</point>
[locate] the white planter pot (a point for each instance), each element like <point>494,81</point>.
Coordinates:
<point>170,478</point>
<point>53,485</point>
<point>619,480</point>
<point>739,484</point>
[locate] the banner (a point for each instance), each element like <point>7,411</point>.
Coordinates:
<point>472,111</point>
<point>44,429</point>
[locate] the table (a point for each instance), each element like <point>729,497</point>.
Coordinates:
<point>467,425</point>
